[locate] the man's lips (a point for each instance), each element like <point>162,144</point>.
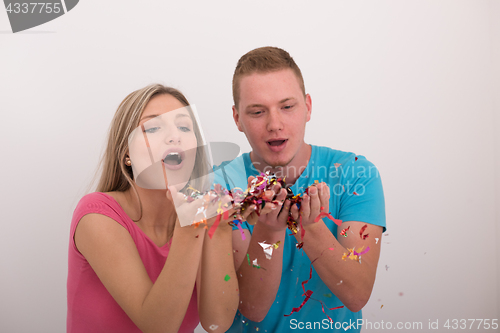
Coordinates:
<point>277,145</point>
<point>276,142</point>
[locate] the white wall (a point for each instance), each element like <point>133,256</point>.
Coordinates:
<point>412,85</point>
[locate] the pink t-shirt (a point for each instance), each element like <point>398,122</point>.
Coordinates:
<point>91,308</point>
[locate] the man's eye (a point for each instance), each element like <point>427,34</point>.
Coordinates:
<point>151,130</point>
<point>184,129</point>
<point>256,113</point>
<point>287,107</point>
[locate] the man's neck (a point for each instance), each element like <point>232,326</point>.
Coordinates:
<point>290,172</point>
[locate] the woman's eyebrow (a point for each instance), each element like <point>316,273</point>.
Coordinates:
<point>150,116</point>
<point>180,115</point>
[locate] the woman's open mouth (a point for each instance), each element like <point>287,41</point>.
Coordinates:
<point>173,159</point>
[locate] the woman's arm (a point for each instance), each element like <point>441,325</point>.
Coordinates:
<point>217,284</point>
<point>111,251</point>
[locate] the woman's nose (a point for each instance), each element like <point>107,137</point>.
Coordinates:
<point>173,136</point>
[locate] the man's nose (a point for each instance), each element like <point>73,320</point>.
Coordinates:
<point>274,121</point>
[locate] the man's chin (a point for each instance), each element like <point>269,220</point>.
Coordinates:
<point>275,164</point>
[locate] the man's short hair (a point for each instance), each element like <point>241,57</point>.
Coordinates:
<point>264,60</point>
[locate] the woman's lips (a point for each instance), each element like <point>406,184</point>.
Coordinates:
<point>173,155</point>
<point>277,145</point>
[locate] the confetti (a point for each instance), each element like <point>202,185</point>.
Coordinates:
<point>339,283</point>
<point>214,327</point>
<point>355,193</point>
<point>337,165</point>
<point>268,248</point>
<point>376,240</point>
<point>324,214</point>
<point>363,228</point>
<point>343,232</point>
<point>354,255</point>
<point>382,306</point>
<point>253,263</point>
<point>386,267</point>
<point>327,295</point>
<point>227,277</point>
<point>214,226</point>
<point>308,293</point>
<point>360,253</point>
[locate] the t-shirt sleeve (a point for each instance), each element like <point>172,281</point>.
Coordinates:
<point>94,203</point>
<point>363,196</point>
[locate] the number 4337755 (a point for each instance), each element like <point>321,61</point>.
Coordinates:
<point>34,7</point>
<point>471,324</point>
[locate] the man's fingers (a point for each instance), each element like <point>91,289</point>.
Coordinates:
<point>281,195</point>
<point>324,195</point>
<point>305,208</point>
<point>294,211</point>
<point>285,211</point>
<point>249,210</point>
<point>315,203</point>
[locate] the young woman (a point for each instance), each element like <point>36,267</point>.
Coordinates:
<point>132,267</point>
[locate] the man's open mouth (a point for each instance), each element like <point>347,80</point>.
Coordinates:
<point>276,143</point>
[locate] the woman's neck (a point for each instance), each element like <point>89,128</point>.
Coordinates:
<point>157,217</point>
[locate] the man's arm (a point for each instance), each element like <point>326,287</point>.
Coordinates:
<point>350,280</point>
<point>258,286</point>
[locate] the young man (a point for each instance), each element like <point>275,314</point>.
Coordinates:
<point>279,294</point>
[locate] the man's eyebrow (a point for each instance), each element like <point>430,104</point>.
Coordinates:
<point>254,106</point>
<point>287,99</point>
<point>261,105</point>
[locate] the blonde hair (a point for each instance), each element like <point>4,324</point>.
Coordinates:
<point>264,60</point>
<point>116,176</point>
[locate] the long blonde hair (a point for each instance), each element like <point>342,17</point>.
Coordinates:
<point>116,176</point>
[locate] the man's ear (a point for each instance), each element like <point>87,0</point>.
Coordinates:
<point>309,106</point>
<point>236,117</point>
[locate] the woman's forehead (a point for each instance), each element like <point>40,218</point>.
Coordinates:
<point>162,104</point>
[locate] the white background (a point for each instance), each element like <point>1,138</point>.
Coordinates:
<point>412,85</point>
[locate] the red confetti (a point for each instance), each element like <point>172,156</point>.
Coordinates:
<point>356,158</point>
<point>308,293</point>
<point>363,228</point>
<point>325,214</point>
<point>308,296</point>
<point>344,231</point>
<point>214,226</point>
<point>355,193</point>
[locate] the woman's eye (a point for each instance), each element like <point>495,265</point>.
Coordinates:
<point>184,129</point>
<point>152,130</point>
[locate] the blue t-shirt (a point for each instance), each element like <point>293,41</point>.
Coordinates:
<point>344,173</point>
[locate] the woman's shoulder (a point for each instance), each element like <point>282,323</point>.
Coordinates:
<point>98,203</point>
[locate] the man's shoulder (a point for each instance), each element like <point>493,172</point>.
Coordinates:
<point>340,163</point>
<point>236,164</point>
<point>339,157</point>
<point>232,173</point>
